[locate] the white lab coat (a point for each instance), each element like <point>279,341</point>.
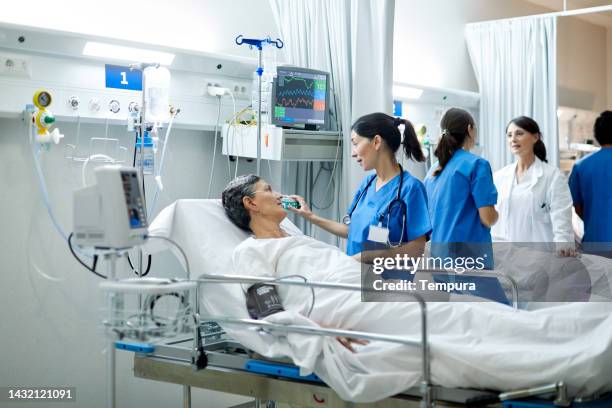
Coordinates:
<point>549,203</point>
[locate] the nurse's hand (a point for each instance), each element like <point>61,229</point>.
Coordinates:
<point>304,210</point>
<point>357,257</point>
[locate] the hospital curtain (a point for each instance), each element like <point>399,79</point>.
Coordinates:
<point>353,40</point>
<point>515,62</point>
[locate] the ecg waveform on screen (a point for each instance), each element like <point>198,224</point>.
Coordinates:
<point>296,92</point>
<point>297,82</point>
<point>295,102</point>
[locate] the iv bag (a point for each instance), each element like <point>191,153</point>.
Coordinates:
<point>156,90</point>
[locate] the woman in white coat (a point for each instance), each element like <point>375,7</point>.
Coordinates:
<point>534,204</point>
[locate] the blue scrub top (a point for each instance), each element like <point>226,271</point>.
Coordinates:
<point>590,187</point>
<point>455,195</point>
<point>374,203</point>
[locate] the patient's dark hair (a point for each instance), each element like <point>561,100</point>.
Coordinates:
<point>232,196</point>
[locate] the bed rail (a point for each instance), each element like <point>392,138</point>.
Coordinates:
<point>426,388</point>
<point>480,273</point>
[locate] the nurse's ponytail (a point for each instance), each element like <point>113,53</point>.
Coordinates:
<point>410,142</point>
<point>454,124</point>
<point>387,127</point>
<point>531,126</point>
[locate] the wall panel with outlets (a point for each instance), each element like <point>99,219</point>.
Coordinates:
<point>55,61</point>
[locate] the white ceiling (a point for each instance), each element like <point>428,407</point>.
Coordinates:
<point>601,19</point>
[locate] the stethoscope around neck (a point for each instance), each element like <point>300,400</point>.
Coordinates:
<point>397,201</point>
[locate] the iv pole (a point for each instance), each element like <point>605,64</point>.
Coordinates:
<point>259,44</point>
<point>112,257</point>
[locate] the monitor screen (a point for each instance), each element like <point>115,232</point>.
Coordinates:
<point>133,199</point>
<point>300,97</point>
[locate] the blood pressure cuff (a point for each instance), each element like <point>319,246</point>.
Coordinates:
<point>263,300</point>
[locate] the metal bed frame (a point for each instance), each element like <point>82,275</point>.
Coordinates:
<point>205,360</point>
<point>226,372</point>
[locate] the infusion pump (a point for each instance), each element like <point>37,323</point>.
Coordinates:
<point>111,213</point>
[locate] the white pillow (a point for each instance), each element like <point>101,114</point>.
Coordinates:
<point>205,233</point>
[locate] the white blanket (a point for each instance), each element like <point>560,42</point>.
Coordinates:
<point>472,345</point>
<point>482,345</point>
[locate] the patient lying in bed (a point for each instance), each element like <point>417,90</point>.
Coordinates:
<point>483,345</point>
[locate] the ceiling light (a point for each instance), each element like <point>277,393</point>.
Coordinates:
<point>406,92</point>
<point>96,49</point>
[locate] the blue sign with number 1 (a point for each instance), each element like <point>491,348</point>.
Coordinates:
<point>119,77</point>
<point>397,108</point>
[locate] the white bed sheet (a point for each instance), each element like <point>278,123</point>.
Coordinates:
<point>483,345</point>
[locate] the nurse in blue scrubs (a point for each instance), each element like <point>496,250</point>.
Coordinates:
<point>592,196</point>
<point>461,197</point>
<point>459,186</point>
<point>388,214</point>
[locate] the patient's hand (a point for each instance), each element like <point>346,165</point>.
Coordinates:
<point>346,342</point>
<point>570,252</point>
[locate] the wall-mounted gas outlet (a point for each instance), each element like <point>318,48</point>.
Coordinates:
<point>94,105</point>
<point>73,103</point>
<point>15,67</point>
<point>114,106</point>
<point>133,107</point>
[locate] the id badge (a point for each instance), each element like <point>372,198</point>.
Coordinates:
<point>378,234</point>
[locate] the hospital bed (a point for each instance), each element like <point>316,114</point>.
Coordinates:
<point>212,360</point>
<point>226,366</point>
<point>234,370</point>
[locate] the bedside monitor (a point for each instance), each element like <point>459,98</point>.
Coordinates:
<point>300,98</point>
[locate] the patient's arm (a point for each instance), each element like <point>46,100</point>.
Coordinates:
<point>413,248</point>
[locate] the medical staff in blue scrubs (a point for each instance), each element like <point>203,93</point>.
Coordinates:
<point>460,185</point>
<point>388,214</point>
<point>590,187</point>
<point>462,198</point>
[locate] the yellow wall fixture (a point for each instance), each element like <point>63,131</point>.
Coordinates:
<point>43,119</point>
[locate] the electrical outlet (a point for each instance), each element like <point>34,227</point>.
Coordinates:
<point>15,67</point>
<point>241,91</point>
<point>216,88</point>
<point>238,90</point>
